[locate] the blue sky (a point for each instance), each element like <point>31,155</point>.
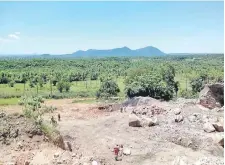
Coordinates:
<point>65,27</point>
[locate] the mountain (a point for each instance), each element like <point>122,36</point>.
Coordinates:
<point>124,51</point>
<point>116,52</point>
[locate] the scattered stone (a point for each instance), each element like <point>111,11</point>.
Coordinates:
<point>2,115</point>
<point>208,127</point>
<point>68,146</point>
<point>210,161</point>
<point>19,145</point>
<point>134,121</point>
<point>126,151</point>
<point>94,162</point>
<point>74,155</point>
<point>218,127</point>
<point>59,162</point>
<point>10,163</point>
<point>179,118</point>
<point>177,111</point>
<point>117,158</point>
<point>221,142</point>
<point>180,161</point>
<point>56,155</point>
<point>22,160</point>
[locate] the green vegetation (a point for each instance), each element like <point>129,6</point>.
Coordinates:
<point>159,77</point>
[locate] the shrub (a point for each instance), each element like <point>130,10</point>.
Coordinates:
<point>108,88</point>
<point>11,83</point>
<point>145,83</point>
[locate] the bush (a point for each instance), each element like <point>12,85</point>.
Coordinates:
<point>60,86</point>
<point>197,84</point>
<point>145,83</point>
<point>11,83</point>
<point>187,94</point>
<point>108,88</point>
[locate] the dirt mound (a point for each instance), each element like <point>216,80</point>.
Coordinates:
<point>140,101</point>
<point>212,96</point>
<point>16,126</point>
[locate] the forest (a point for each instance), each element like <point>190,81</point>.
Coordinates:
<point>166,77</point>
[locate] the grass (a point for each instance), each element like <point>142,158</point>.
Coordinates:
<point>77,89</point>
<point>9,101</point>
<point>80,89</point>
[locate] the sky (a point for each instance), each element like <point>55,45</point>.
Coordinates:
<point>65,27</point>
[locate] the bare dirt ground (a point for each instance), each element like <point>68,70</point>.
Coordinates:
<point>93,134</point>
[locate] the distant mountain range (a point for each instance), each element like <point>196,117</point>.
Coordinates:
<point>124,51</point>
<point>116,52</point>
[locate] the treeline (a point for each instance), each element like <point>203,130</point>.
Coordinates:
<point>143,76</point>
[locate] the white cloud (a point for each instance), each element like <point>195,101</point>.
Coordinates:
<point>17,33</point>
<point>14,36</point>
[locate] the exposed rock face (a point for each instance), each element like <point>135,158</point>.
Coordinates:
<point>212,96</point>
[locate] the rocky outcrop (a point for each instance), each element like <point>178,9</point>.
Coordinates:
<point>212,96</point>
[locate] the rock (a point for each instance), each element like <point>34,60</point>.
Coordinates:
<point>59,162</point>
<point>19,145</point>
<point>2,115</point>
<point>134,121</point>
<point>180,161</point>
<point>212,96</point>
<point>126,151</point>
<point>22,160</point>
<point>221,142</point>
<point>94,162</point>
<point>27,162</point>
<point>56,155</point>
<point>179,118</point>
<point>208,127</point>
<point>210,161</point>
<point>10,163</point>
<point>218,127</point>
<point>57,139</point>
<point>68,146</point>
<point>177,111</point>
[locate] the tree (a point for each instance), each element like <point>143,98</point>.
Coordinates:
<point>24,80</point>
<point>176,87</point>
<point>108,88</point>
<point>60,86</point>
<point>67,86</point>
<point>197,84</point>
<point>11,83</point>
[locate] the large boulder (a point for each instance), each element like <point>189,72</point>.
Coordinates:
<point>212,96</point>
<point>134,121</point>
<point>148,122</point>
<point>208,127</point>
